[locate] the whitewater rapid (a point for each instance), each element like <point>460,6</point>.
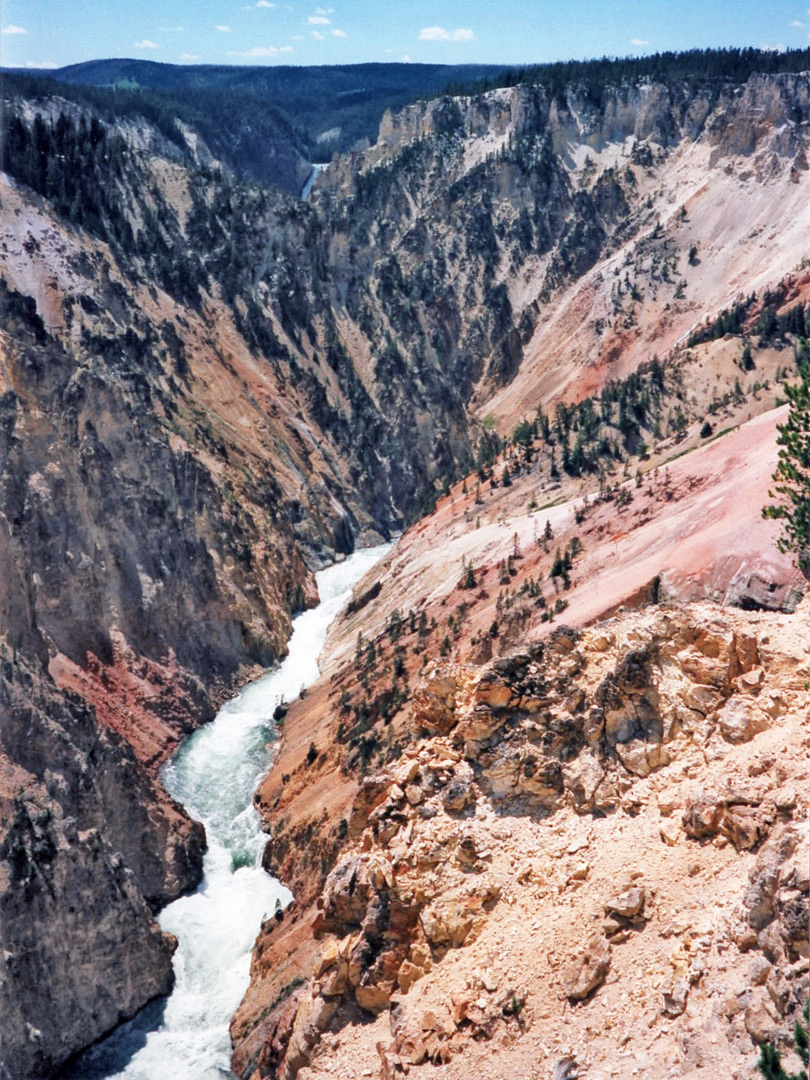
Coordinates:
<point>214,775</point>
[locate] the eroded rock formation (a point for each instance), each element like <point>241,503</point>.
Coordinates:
<point>610,815</point>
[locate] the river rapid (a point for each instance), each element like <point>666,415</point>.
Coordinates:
<point>214,775</point>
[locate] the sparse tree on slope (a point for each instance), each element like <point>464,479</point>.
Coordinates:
<point>792,476</point>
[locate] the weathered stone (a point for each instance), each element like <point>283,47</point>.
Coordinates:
<point>785,800</point>
<point>359,960</point>
<point>330,952</point>
<point>633,755</point>
<point>743,826</point>
<point>702,815</point>
<point>407,1035</point>
<point>434,703</point>
<point>438,1019</point>
<point>627,904</point>
<point>374,997</point>
<point>703,699</point>
<point>408,974</point>
<point>374,790</point>
<point>740,720</point>
<point>335,981</point>
<point>758,970</point>
<point>346,894</point>
<point>458,794</point>
<point>588,971</point>
<point>675,997</point>
<point>448,921</point>
<point>669,831</point>
<point>566,1069</point>
<point>493,693</point>
<point>481,725</point>
<point>779,990</point>
<point>759,896</point>
<point>760,1016</point>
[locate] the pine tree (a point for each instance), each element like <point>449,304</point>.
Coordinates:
<point>792,476</point>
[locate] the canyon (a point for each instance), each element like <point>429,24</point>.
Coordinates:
<point>501,330</point>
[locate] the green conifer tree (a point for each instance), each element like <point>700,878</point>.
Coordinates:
<point>792,476</point>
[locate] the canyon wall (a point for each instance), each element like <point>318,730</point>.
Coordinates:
<point>210,390</point>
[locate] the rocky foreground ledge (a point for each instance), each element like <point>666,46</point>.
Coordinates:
<point>591,858</point>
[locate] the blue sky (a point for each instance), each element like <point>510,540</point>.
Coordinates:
<point>51,33</point>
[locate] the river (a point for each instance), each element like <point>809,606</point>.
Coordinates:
<point>214,774</point>
<point>305,190</point>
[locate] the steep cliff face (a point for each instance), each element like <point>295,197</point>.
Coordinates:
<point>541,245</point>
<point>90,847</point>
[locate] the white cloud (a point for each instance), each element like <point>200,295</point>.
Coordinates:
<point>13,30</point>
<point>264,4</point>
<point>781,47</point>
<point>324,11</point>
<point>170,29</point>
<point>41,66</point>
<point>638,41</point>
<point>145,44</point>
<point>338,33</point>
<point>405,59</point>
<point>438,33</point>
<point>258,50</point>
<point>189,56</point>
<point>298,37</point>
<point>224,29</point>
<point>319,20</point>
<point>318,35</point>
<point>798,23</point>
<point>286,48</point>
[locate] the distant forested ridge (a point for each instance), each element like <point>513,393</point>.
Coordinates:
<point>268,123</point>
<point>322,109</point>
<point>596,76</point>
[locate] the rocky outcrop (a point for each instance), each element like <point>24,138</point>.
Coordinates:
<point>562,784</point>
<point>90,847</point>
<point>81,949</point>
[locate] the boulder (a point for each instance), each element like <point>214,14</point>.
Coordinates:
<point>703,815</point>
<point>408,1042</point>
<point>374,997</point>
<point>741,719</point>
<point>408,974</point>
<point>346,894</point>
<point>435,701</point>
<point>627,904</point>
<point>675,997</point>
<point>448,921</point>
<point>759,896</point>
<point>458,794</point>
<point>588,970</point>
<point>761,1016</point>
<point>744,827</point>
